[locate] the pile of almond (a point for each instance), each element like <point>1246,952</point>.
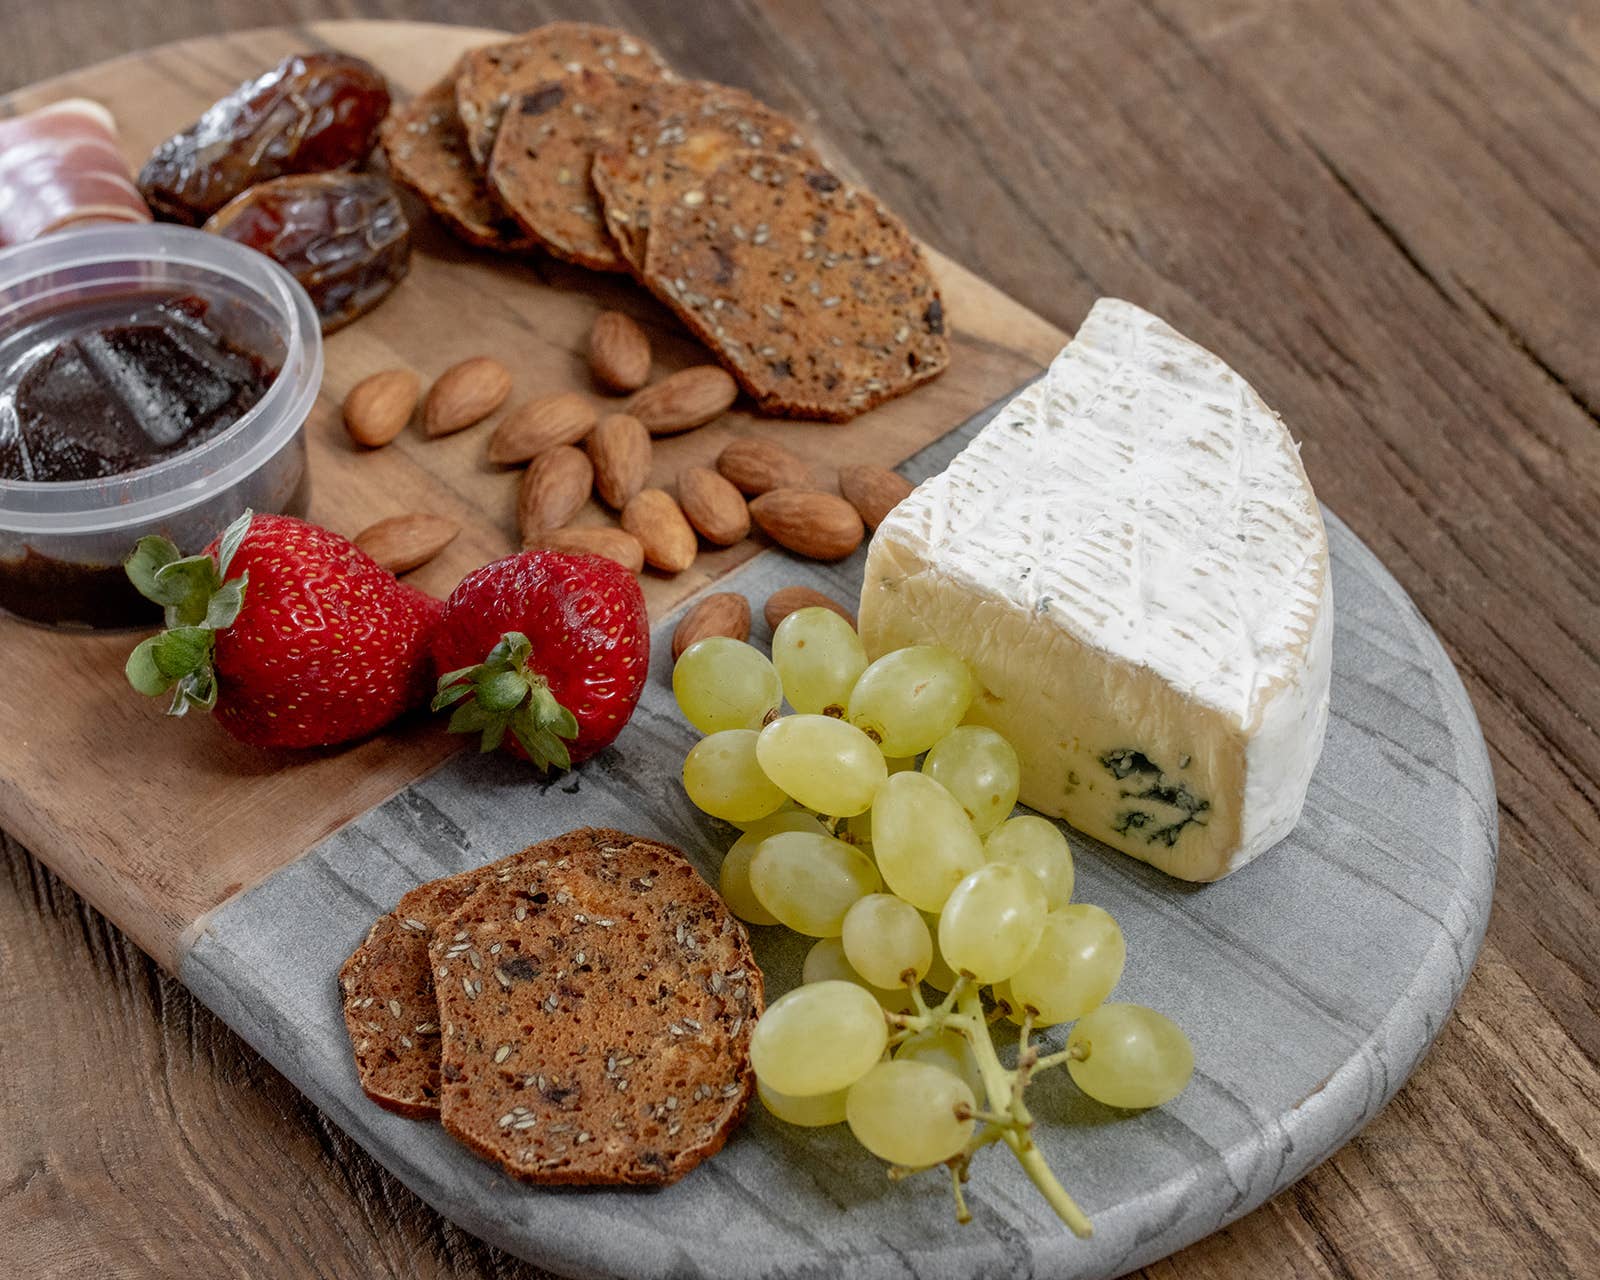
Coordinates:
<point>572,448</point>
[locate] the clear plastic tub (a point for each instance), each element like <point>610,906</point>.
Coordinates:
<point>62,542</point>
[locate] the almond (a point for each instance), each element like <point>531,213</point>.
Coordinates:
<point>619,352</point>
<point>873,491</point>
<point>755,466</point>
<point>554,489</point>
<point>619,447</point>
<point>684,400</point>
<point>378,407</point>
<point>595,540</point>
<point>784,601</point>
<point>463,394</point>
<point>403,542</point>
<point>808,522</point>
<point>723,613</point>
<point>658,522</point>
<point>715,508</point>
<point>540,424</point>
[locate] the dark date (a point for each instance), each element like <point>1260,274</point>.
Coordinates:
<point>344,236</point>
<point>311,113</point>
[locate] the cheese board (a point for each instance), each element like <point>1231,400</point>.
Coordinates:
<point>1310,985</point>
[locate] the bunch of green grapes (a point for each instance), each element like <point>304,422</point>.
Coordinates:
<point>878,822</point>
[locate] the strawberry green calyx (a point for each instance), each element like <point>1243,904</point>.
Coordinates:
<point>198,600</point>
<point>502,695</point>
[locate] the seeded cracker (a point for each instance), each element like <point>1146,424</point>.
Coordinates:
<point>427,151</point>
<point>492,76</point>
<point>389,1005</point>
<point>683,130</point>
<point>597,1011</point>
<point>543,154</point>
<point>814,296</point>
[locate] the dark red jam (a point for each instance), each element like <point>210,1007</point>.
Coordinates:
<point>121,392</point>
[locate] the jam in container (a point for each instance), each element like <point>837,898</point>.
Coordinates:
<point>153,379</point>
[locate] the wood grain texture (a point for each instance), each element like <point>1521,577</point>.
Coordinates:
<point>1385,214</point>
<point>249,811</point>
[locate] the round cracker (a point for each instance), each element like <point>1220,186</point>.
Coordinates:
<point>815,296</point>
<point>597,999</point>
<point>427,151</point>
<point>542,157</point>
<point>492,76</point>
<point>683,130</point>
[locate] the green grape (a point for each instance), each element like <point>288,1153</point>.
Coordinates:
<point>884,936</point>
<point>733,882</point>
<point>818,1038</point>
<point>899,764</point>
<point>809,1113</point>
<point>825,962</point>
<point>723,683</point>
<point>809,881</point>
<point>820,657</point>
<point>1130,1056</point>
<point>940,976</point>
<point>825,764</point>
<point>948,1050</point>
<point>1075,965</point>
<point>788,806</point>
<point>905,1112</point>
<point>922,840</point>
<point>909,699</point>
<point>787,818</point>
<point>723,776</point>
<point>1039,845</point>
<point>992,921</point>
<point>979,768</point>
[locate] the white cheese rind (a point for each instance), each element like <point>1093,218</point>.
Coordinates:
<point>1133,561</point>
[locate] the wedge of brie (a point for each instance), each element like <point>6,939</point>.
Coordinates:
<point>1132,560</point>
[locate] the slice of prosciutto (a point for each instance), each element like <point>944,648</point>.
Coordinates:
<point>59,167</point>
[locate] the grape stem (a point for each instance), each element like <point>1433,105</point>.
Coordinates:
<point>1007,1118</point>
<point>957,1176</point>
<point>1001,1119</point>
<point>1004,1089</point>
<point>1074,1054</point>
<point>917,1001</point>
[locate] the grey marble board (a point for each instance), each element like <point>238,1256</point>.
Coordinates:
<point>1311,983</point>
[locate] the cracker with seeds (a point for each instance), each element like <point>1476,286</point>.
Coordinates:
<point>682,131</point>
<point>492,77</point>
<point>597,1008</point>
<point>814,296</point>
<point>427,151</point>
<point>543,154</point>
<point>390,1008</point>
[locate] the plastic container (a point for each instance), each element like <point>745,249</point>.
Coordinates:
<point>62,542</point>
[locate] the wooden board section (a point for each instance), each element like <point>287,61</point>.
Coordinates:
<point>156,822</point>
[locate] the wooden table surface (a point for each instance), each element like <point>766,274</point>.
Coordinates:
<point>1388,216</point>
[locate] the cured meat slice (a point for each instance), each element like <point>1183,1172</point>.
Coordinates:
<point>60,166</point>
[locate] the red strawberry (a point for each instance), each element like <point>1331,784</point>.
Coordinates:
<point>543,647</point>
<point>290,635</point>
